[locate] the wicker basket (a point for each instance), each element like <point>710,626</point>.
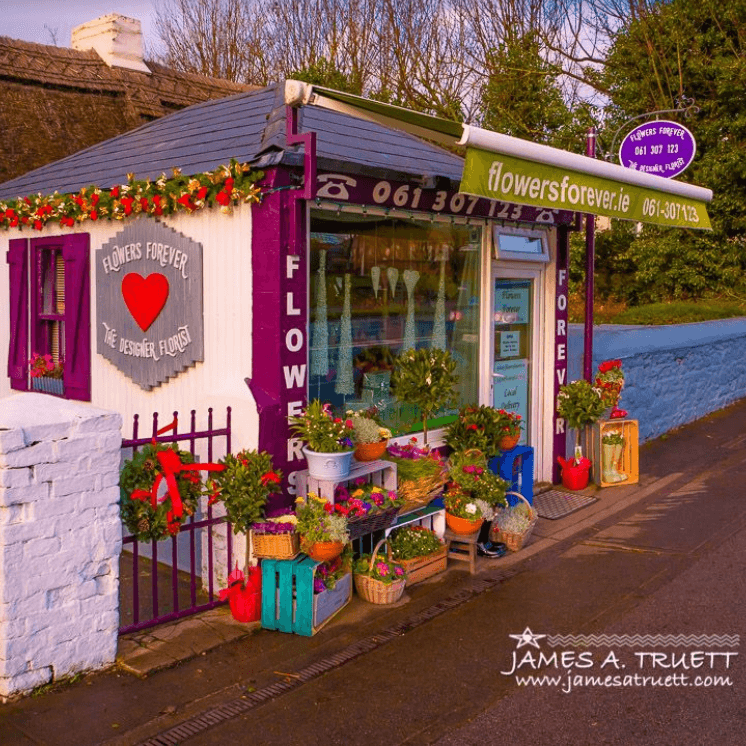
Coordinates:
<point>514,542</point>
<point>372,522</point>
<point>276,546</point>
<point>375,591</point>
<point>418,493</point>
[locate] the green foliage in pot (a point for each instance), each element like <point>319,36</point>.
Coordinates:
<point>317,521</point>
<point>580,404</point>
<point>409,542</point>
<point>244,487</point>
<point>366,427</point>
<point>426,379</point>
<point>468,474</point>
<point>482,427</point>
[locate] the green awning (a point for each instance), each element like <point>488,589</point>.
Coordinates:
<point>509,169</point>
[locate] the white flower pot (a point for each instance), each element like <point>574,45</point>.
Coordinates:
<point>328,466</point>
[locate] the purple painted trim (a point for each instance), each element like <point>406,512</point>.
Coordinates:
<point>18,352</point>
<point>560,344</point>
<point>590,252</point>
<point>408,195</point>
<point>308,140</point>
<point>77,375</point>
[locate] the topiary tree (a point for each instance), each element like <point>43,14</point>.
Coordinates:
<point>426,379</point>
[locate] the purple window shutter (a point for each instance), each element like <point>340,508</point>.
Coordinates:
<point>18,353</point>
<point>77,376</point>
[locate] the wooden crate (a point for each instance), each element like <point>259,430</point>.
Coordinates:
<point>629,463</point>
<point>420,568</point>
<point>380,473</point>
<point>288,601</point>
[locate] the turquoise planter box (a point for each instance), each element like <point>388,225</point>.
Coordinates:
<point>288,601</point>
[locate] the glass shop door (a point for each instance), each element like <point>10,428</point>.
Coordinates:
<point>512,340</point>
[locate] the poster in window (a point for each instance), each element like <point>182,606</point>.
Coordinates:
<point>149,318</point>
<point>510,390</point>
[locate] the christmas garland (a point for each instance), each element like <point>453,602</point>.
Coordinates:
<point>225,186</point>
<point>146,514</point>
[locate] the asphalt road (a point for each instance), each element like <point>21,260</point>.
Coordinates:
<point>672,564</point>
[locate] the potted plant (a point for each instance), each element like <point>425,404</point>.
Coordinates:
<point>243,486</point>
<point>426,379</point>
<point>323,533</point>
<point>612,442</point>
<point>369,435</point>
<point>367,507</point>
<point>328,439</point>
<point>513,525</point>
<point>46,374</point>
<point>419,551</point>
<point>379,581</point>
<point>610,380</point>
<point>473,492</point>
<point>275,536</point>
<point>508,425</point>
<point>580,404</point>
<point>421,473</point>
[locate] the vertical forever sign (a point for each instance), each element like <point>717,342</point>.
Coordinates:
<point>149,302</point>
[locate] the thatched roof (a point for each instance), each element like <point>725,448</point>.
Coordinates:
<point>55,101</point>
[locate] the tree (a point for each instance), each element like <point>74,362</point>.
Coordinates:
<point>692,49</point>
<point>522,96</point>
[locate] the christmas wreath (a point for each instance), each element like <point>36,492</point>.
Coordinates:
<point>160,488</point>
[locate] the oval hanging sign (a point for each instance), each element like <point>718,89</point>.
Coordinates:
<point>662,148</point>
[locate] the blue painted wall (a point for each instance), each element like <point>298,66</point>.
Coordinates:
<point>673,374</point>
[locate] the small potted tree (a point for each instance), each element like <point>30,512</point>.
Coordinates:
<point>426,379</point>
<point>580,404</point>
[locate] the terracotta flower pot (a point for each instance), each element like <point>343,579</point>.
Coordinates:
<point>463,526</point>
<point>508,442</point>
<point>370,451</point>
<point>323,551</point>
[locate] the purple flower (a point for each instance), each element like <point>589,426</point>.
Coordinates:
<point>318,585</point>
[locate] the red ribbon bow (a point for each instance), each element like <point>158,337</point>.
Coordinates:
<point>171,465</point>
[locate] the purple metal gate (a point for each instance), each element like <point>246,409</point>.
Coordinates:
<point>181,591</point>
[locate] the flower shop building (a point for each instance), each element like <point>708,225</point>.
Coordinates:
<point>172,278</point>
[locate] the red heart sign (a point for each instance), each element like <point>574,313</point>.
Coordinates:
<point>145,296</point>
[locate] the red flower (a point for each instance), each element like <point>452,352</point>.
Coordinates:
<point>186,200</point>
<point>144,204</point>
<point>127,204</point>
<point>94,199</point>
<point>328,507</point>
<point>229,182</point>
<point>93,215</point>
<point>115,192</point>
<point>223,198</point>
<point>270,476</point>
<point>202,193</point>
<point>472,427</point>
<point>38,225</point>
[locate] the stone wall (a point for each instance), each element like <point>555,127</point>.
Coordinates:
<point>60,540</point>
<point>673,374</point>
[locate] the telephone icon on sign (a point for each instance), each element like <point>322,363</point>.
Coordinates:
<point>334,186</point>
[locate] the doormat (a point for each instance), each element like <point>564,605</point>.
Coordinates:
<point>554,504</point>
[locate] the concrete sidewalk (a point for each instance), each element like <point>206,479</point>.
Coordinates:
<point>665,464</point>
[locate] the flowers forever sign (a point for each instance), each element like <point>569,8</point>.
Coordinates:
<point>150,308</point>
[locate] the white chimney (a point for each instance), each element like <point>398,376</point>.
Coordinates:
<point>116,39</point>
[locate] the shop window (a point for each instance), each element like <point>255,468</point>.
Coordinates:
<point>519,244</point>
<point>381,285</point>
<point>50,311</point>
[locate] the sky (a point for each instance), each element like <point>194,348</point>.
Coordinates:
<point>44,21</point>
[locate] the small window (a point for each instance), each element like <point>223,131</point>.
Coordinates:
<point>522,245</point>
<point>50,314</point>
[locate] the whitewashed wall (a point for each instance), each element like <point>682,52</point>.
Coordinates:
<point>219,380</point>
<point>60,540</point>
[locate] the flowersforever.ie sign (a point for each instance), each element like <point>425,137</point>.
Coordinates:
<point>511,179</point>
